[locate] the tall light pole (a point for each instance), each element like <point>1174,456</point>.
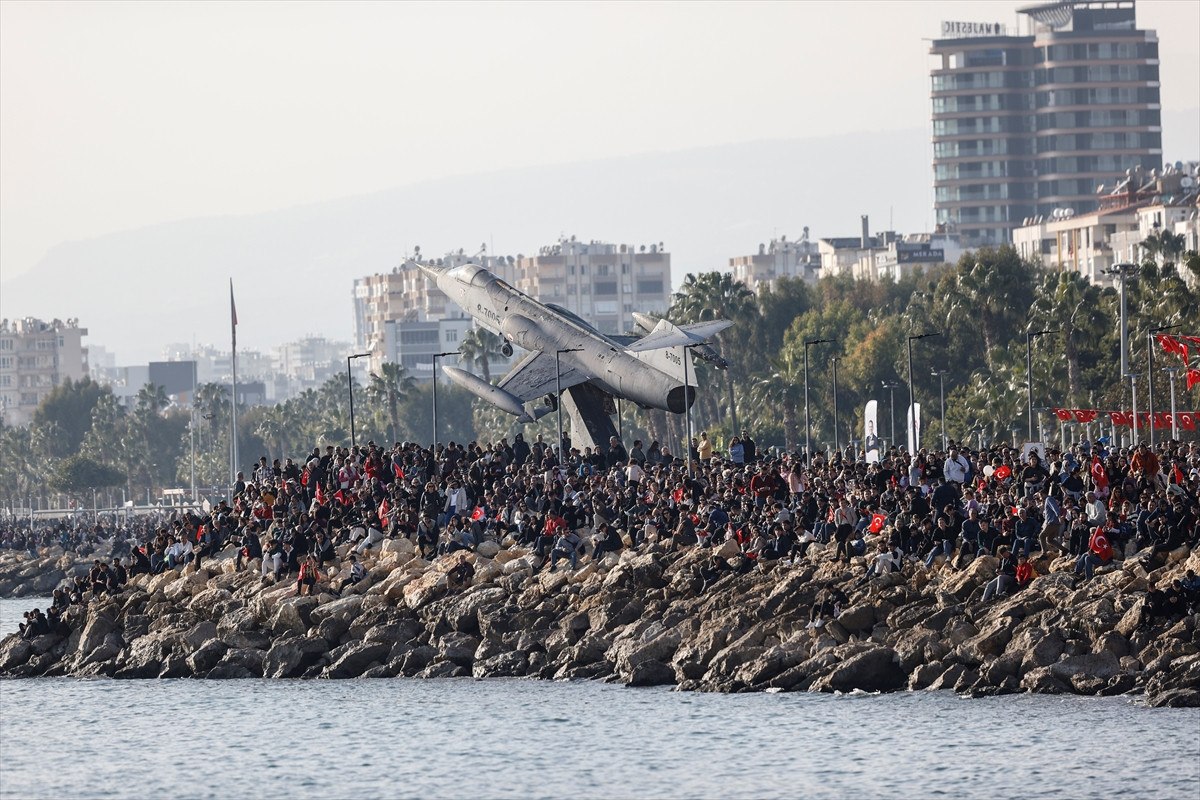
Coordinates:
<point>807,424</point>
<point>1150,373</point>
<point>1029,337</point>
<point>192,427</point>
<point>1132,378</point>
<point>1123,272</point>
<point>891,387</point>
<point>912,409</point>
<point>350,389</point>
<point>1171,372</point>
<point>687,407</point>
<point>940,374</point>
<point>836,443</point>
<point>436,356</point>
<point>558,395</point>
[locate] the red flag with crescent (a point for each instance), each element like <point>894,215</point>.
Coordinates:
<point>1084,415</point>
<point>1187,420</point>
<point>477,514</point>
<point>1193,377</point>
<point>877,522</point>
<point>1063,414</point>
<point>1121,418</point>
<point>1002,472</point>
<point>1099,475</point>
<point>320,495</point>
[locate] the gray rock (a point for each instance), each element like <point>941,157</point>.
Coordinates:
<point>458,648</point>
<point>14,652</point>
<point>345,609</point>
<point>505,665</point>
<point>1102,666</point>
<point>357,659</point>
<point>289,658</point>
<point>197,636</point>
<point>651,673</point>
<point>207,656</point>
<point>873,670</point>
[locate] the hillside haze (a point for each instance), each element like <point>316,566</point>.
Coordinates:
<point>293,268</point>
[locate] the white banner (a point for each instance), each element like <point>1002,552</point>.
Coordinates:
<point>914,436</point>
<point>871,432</point>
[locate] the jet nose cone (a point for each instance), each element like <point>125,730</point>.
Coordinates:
<point>431,272</point>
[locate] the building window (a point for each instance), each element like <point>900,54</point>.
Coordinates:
<point>452,336</point>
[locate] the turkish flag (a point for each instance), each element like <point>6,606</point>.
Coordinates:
<point>1002,472</point>
<point>1085,415</point>
<point>477,513</point>
<point>877,522</point>
<point>1187,420</point>
<point>1063,414</point>
<point>399,473</point>
<point>1193,377</point>
<point>1172,345</point>
<point>1162,419</point>
<point>1099,476</point>
<point>1192,339</point>
<point>320,495</point>
<point>1121,418</point>
<point>384,509</point>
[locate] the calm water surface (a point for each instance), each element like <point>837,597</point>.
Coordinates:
<point>63,738</point>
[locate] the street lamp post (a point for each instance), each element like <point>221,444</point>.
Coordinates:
<point>687,408</point>
<point>912,410</point>
<point>1132,378</point>
<point>1029,337</point>
<point>836,442</point>
<point>891,387</point>
<point>1150,374</point>
<point>940,374</point>
<point>558,395</point>
<point>807,423</point>
<point>1123,272</point>
<point>350,389</point>
<point>436,356</point>
<point>1171,372</point>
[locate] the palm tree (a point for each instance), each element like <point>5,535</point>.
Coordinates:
<point>212,403</point>
<point>988,291</point>
<point>718,295</point>
<point>1164,247</point>
<point>1069,302</point>
<point>781,390</point>
<point>480,347</point>
<point>391,385</point>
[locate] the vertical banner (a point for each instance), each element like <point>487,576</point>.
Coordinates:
<point>914,427</point>
<point>871,432</point>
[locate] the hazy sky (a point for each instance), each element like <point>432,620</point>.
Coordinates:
<point>116,116</point>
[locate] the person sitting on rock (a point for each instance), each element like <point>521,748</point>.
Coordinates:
<point>461,575</point>
<point>138,563</point>
<point>607,540</point>
<point>565,546</point>
<point>272,557</point>
<point>885,562</point>
<point>251,548</point>
<point>1026,532</point>
<point>1100,552</point>
<point>309,576</point>
<point>1006,576</point>
<point>117,576</point>
<point>828,603</point>
<point>712,571</point>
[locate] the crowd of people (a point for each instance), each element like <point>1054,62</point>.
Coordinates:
<point>935,510</point>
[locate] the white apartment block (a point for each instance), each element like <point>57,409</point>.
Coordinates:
<point>36,356</point>
<point>798,258</point>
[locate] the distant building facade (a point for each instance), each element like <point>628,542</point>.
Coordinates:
<point>1026,124</point>
<point>1136,208</point>
<point>599,282</point>
<point>798,258</point>
<point>36,356</point>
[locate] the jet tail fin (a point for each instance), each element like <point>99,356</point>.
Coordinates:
<point>665,347</point>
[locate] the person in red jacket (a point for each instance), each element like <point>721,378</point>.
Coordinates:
<point>1099,552</point>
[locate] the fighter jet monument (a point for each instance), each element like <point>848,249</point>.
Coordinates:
<point>594,368</point>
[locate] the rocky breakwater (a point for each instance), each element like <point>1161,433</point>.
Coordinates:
<point>640,619</point>
<point>22,575</point>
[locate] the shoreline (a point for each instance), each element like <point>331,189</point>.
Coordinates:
<point>642,619</point>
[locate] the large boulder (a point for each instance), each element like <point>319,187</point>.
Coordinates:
<point>651,673</point>
<point>289,658</point>
<point>874,670</point>
<point>14,652</point>
<point>509,664</point>
<point>207,656</point>
<point>357,658</point>
<point>345,609</point>
<point>425,589</point>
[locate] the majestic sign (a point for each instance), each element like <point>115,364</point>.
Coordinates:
<point>953,30</point>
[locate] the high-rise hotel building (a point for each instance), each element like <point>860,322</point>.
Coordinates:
<point>1027,124</point>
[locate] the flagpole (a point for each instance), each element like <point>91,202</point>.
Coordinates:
<point>233,448</point>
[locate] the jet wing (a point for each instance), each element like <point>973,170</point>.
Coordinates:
<point>667,335</point>
<point>533,377</point>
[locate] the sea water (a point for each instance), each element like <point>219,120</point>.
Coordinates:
<point>65,738</point>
